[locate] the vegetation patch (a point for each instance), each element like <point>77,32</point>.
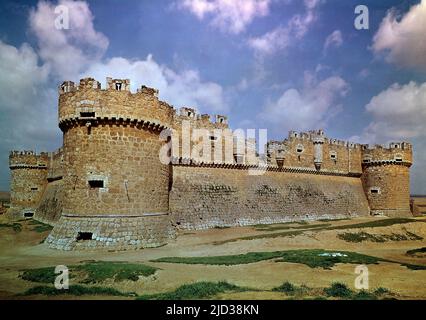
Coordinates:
<point>339,290</point>
<point>263,236</point>
<point>292,290</point>
<point>17,227</point>
<point>420,252</point>
<point>41,275</point>
<point>93,272</point>
<point>40,227</point>
<point>76,290</point>
<point>198,290</point>
<point>364,236</point>
<point>288,227</point>
<point>313,258</point>
<point>98,271</point>
<point>299,230</point>
<point>377,223</point>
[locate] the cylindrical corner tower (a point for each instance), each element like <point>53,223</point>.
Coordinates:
<point>28,181</point>
<point>116,188</point>
<point>386,178</point>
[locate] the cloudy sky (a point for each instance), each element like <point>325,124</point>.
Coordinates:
<point>276,64</point>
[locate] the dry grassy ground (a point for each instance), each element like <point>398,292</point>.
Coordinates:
<point>22,249</point>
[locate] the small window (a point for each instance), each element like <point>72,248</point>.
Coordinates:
<point>95,184</point>
<point>34,189</point>
<point>84,236</point>
<point>28,214</point>
<point>87,114</point>
<point>299,149</point>
<point>398,159</point>
<point>221,120</point>
<point>213,138</point>
<point>333,156</point>
<point>366,160</point>
<point>118,86</point>
<point>374,190</point>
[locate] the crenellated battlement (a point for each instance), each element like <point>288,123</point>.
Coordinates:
<point>28,159</point>
<point>88,102</point>
<point>394,152</point>
<point>111,168</point>
<point>200,120</point>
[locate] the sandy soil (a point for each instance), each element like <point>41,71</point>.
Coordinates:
<point>22,250</point>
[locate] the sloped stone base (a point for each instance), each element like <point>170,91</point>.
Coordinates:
<point>111,232</point>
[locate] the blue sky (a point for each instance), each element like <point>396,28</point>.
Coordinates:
<point>276,64</point>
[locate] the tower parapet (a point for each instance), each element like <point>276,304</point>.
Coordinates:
<point>395,153</point>
<point>90,104</point>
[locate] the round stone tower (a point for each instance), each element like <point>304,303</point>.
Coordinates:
<point>28,181</point>
<point>115,187</point>
<point>386,178</point>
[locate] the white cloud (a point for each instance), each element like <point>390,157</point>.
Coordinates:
<point>79,51</point>
<point>398,112</point>
<point>335,39</point>
<point>229,16</point>
<point>283,36</point>
<point>69,51</point>
<point>178,88</point>
<point>308,108</point>
<point>402,39</point>
<point>28,78</point>
<point>28,106</point>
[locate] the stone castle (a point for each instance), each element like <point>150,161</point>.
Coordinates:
<point>107,188</point>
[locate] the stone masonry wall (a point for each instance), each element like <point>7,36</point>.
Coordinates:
<point>207,197</point>
<point>111,233</point>
<point>126,159</point>
<point>392,185</point>
<point>50,207</point>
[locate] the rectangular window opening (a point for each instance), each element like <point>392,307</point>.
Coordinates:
<point>28,214</point>
<point>87,114</point>
<point>84,236</point>
<point>374,191</point>
<point>34,189</point>
<point>94,184</point>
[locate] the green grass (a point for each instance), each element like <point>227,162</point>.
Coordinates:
<point>98,271</point>
<point>288,227</point>
<point>40,227</point>
<point>335,290</point>
<point>199,290</point>
<point>290,289</point>
<point>414,252</point>
<point>41,275</point>
<point>377,223</point>
<point>17,227</point>
<point>262,236</point>
<point>364,236</point>
<point>295,231</point>
<point>93,272</point>
<point>76,290</point>
<point>312,258</point>
<point>339,290</point>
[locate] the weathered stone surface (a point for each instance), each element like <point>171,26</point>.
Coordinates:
<point>107,179</point>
